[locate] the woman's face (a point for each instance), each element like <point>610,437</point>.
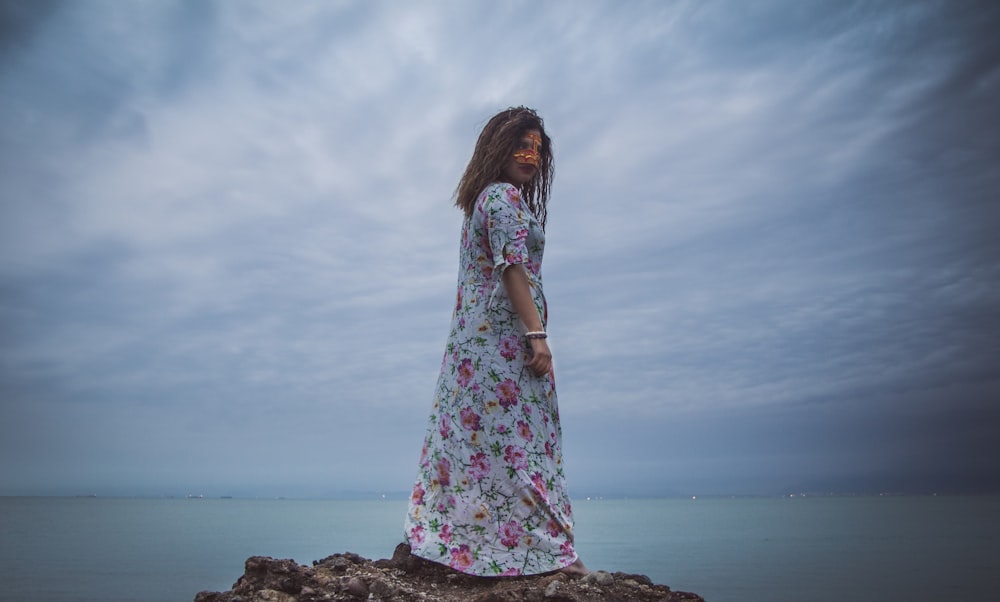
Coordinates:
<point>523,165</point>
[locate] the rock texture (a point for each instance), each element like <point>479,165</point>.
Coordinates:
<point>406,578</point>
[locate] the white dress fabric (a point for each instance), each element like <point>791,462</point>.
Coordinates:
<point>490,497</point>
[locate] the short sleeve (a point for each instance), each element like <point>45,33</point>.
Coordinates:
<point>506,226</point>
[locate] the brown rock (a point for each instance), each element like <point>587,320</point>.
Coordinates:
<point>602,578</point>
<point>406,578</point>
<point>357,587</point>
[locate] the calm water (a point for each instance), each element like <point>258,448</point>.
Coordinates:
<point>728,550</point>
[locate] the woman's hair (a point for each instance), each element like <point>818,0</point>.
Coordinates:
<point>493,152</point>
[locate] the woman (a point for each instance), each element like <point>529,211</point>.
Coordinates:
<point>490,497</point>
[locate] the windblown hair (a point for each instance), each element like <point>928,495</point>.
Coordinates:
<point>497,143</point>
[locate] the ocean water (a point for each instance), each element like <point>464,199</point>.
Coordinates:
<point>727,550</point>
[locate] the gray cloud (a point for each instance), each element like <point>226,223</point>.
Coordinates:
<point>226,233</point>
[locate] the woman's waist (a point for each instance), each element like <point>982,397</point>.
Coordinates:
<point>480,276</point>
<point>495,288</point>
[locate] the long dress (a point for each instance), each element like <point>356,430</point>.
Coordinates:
<point>490,496</point>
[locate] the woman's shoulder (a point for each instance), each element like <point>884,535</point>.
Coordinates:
<point>500,191</point>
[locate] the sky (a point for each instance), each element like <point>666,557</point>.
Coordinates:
<point>228,245</point>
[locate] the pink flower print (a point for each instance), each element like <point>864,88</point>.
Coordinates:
<point>567,549</point>
<point>516,457</point>
<point>540,489</point>
<point>511,572</point>
<point>461,557</point>
<point>444,472</point>
<point>509,347</point>
<point>465,372</point>
<point>515,256</point>
<point>553,528</point>
<point>507,392</point>
<point>417,535</point>
<point>445,426</point>
<point>417,497</point>
<point>479,466</point>
<point>510,533</point>
<point>526,409</point>
<point>445,534</point>
<point>514,197</point>
<point>524,430</point>
<point>470,419</point>
<point>548,450</point>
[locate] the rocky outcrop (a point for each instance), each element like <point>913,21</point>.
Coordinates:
<point>406,578</point>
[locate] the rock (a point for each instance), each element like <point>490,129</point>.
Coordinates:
<point>407,578</point>
<point>640,579</point>
<point>552,590</point>
<point>602,578</point>
<point>380,589</point>
<point>357,587</point>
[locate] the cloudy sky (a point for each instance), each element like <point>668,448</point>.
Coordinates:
<point>228,248</point>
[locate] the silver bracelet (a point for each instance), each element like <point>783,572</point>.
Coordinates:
<point>538,334</point>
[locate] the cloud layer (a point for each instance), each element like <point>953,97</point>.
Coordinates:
<point>227,245</point>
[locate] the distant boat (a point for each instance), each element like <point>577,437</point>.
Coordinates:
<point>192,496</point>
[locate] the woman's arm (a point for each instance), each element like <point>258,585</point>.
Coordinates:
<point>515,280</point>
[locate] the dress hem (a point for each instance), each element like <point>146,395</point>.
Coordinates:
<point>493,576</point>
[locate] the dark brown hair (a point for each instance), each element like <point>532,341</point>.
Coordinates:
<point>493,151</point>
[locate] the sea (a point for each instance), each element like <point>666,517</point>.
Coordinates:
<point>781,549</point>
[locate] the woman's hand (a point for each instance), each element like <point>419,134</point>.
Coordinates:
<point>541,357</point>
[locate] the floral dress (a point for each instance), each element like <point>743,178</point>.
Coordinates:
<point>490,497</point>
